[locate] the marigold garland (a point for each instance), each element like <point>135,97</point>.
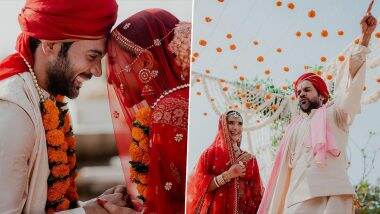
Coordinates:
<point>139,151</point>
<point>61,148</point>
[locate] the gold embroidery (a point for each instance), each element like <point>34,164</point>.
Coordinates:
<point>171,111</point>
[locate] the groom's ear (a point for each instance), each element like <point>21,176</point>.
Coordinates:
<point>148,59</point>
<point>50,49</point>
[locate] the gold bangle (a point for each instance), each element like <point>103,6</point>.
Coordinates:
<point>216,182</point>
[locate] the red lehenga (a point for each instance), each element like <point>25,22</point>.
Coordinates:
<point>165,92</point>
<point>240,195</point>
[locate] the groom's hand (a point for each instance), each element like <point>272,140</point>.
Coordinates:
<point>368,25</point>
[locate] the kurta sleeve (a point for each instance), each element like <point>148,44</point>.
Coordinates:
<point>349,89</point>
<point>17,138</point>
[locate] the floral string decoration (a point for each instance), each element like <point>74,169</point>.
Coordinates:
<point>140,151</point>
<point>61,147</point>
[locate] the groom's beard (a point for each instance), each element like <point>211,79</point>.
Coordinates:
<point>61,78</point>
<point>309,104</point>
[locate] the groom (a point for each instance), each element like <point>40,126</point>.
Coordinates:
<point>310,171</point>
<point>61,46</point>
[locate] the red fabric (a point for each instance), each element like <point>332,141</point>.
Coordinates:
<point>168,157</point>
<point>145,26</point>
<point>318,83</point>
<point>224,199</point>
<point>58,20</point>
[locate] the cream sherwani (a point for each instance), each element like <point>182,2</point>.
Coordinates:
<point>24,166</point>
<point>311,188</point>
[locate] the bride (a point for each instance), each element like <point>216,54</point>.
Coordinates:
<point>148,76</point>
<point>226,179</point>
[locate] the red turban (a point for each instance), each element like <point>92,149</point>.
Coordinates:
<point>318,83</point>
<point>58,20</point>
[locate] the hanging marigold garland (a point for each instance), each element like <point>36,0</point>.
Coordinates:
<point>140,150</point>
<point>61,147</point>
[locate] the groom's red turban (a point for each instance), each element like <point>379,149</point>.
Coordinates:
<point>58,20</point>
<point>318,83</point>
<point>67,19</point>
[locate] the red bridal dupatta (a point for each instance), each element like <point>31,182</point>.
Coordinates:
<point>240,195</point>
<point>164,94</point>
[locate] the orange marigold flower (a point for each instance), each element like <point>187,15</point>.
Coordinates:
<point>71,142</point>
<point>329,77</point>
<point>309,34</point>
<point>60,170</point>
<point>229,36</point>
<point>260,59</point>
<point>133,174</point>
<point>298,34</point>
<point>50,121</point>
<point>291,5</point>
<point>241,78</point>
<point>208,19</point>
<point>57,190</point>
<point>378,80</point>
<point>324,33</point>
<point>278,3</point>
<point>137,133</point>
<point>218,49</point>
<point>279,50</point>
<point>319,73</point>
<point>50,107</point>
<point>56,156</point>
<point>202,42</point>
<point>63,205</point>
<point>286,69</point>
<point>258,86</point>
<point>141,188</point>
<point>323,59</point>
<point>268,96</point>
<point>71,193</point>
<point>55,137</point>
<point>340,32</point>
<point>67,123</point>
<point>377,34</point>
<point>233,47</point>
<point>144,115</point>
<point>143,178</point>
<point>274,107</point>
<point>311,13</point>
<point>341,58</point>
<point>136,152</point>
<point>146,159</point>
<point>248,105</point>
<point>72,161</point>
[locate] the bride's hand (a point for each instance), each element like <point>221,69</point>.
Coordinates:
<point>115,209</point>
<point>237,170</point>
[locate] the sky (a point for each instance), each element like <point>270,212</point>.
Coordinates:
<point>275,27</point>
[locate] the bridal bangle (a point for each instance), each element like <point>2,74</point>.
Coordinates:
<point>222,179</point>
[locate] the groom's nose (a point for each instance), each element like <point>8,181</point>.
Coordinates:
<point>96,69</point>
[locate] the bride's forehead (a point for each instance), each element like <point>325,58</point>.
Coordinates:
<point>234,118</point>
